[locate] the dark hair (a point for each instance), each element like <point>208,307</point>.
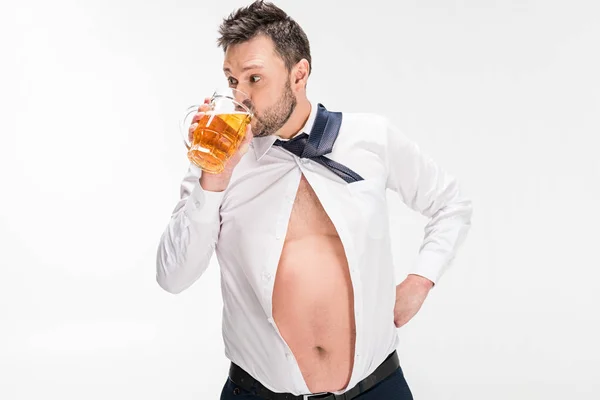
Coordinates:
<point>266,18</point>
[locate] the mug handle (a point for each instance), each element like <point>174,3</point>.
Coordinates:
<point>185,123</point>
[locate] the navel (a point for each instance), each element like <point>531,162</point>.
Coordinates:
<point>320,351</point>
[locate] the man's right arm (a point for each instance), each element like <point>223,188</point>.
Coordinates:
<point>188,242</point>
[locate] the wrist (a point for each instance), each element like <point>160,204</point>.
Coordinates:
<point>420,281</point>
<point>214,182</point>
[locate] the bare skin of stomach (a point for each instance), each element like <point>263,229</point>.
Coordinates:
<point>313,300</point>
<point>313,308</point>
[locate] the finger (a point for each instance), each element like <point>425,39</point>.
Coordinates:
<point>198,117</point>
<point>248,137</point>
<point>191,131</point>
<point>243,149</point>
<point>204,107</point>
<point>206,102</point>
<point>245,144</point>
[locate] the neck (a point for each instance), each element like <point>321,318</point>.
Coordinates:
<point>297,119</point>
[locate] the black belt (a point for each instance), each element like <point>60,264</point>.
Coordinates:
<point>247,382</point>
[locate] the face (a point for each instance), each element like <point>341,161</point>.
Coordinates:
<point>254,68</point>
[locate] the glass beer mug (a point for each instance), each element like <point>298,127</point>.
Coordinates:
<point>219,131</point>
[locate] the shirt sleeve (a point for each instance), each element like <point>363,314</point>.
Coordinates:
<point>188,242</point>
<point>426,187</point>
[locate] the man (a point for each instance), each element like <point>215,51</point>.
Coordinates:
<point>299,224</point>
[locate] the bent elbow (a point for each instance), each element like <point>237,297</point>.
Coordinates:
<point>169,285</point>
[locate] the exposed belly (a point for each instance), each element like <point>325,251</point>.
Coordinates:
<point>313,307</point>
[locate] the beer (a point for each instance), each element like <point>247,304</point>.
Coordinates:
<point>216,139</point>
<point>220,130</point>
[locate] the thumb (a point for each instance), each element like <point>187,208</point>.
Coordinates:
<point>249,134</point>
<point>245,144</point>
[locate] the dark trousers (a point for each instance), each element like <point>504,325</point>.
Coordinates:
<point>394,387</point>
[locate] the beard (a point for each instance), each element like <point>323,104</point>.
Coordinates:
<point>272,119</point>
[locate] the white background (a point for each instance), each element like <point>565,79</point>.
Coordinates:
<point>504,94</point>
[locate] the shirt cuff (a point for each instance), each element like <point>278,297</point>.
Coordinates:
<point>203,206</point>
<point>430,265</point>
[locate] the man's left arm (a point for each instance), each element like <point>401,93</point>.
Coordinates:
<point>426,187</point>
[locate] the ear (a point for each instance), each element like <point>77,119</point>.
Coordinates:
<point>300,74</point>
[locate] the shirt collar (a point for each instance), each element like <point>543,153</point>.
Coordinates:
<point>262,145</point>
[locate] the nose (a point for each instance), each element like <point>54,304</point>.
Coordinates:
<point>244,88</point>
<point>242,97</point>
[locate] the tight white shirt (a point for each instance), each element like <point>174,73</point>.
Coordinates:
<point>246,225</point>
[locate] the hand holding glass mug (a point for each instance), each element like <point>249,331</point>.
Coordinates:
<point>219,132</point>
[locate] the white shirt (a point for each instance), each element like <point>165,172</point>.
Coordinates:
<point>247,223</point>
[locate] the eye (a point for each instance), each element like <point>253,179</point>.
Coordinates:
<point>232,81</point>
<point>254,78</point>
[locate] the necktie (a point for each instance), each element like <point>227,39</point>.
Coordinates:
<point>320,142</point>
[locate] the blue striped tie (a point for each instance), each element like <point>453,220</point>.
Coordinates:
<point>320,142</point>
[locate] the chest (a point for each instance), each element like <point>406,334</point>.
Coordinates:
<point>281,197</point>
<point>308,216</point>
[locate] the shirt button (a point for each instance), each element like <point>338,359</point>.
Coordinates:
<point>197,204</point>
<point>304,160</point>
